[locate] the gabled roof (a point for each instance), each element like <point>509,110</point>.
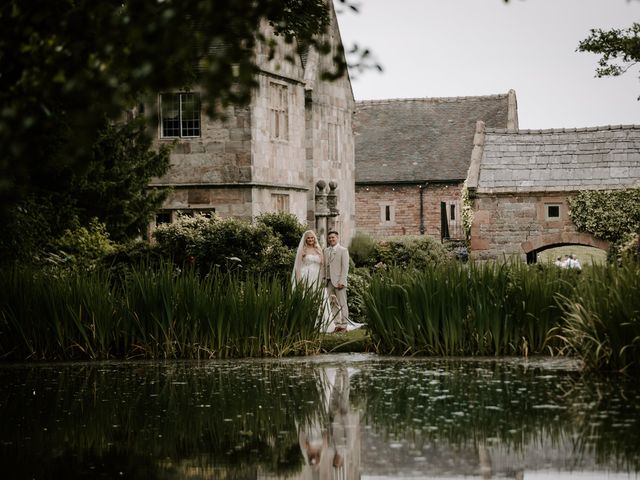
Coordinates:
<point>558,160</point>
<point>423,139</point>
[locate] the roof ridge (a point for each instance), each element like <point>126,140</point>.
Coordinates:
<point>564,130</point>
<point>426,99</point>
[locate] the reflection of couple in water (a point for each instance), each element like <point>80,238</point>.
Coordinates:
<point>327,270</point>
<point>328,441</point>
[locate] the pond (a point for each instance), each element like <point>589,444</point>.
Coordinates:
<point>337,417</point>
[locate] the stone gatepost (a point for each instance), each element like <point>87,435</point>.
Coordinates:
<point>332,203</point>
<point>326,209</point>
<point>321,212</point>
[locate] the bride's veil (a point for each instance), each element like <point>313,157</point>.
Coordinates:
<point>297,264</point>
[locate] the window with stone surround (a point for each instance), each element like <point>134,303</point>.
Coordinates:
<point>179,115</point>
<point>278,111</point>
<point>552,211</point>
<point>387,214</point>
<point>280,202</point>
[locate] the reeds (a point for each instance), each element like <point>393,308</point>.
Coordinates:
<point>450,309</point>
<point>602,318</point>
<point>456,309</point>
<point>160,313</point>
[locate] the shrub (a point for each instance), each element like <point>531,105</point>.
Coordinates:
<point>178,240</point>
<point>277,259</point>
<point>132,254</point>
<point>358,284</point>
<point>227,244</point>
<point>362,249</point>
<point>457,249</point>
<point>285,226</point>
<point>82,247</point>
<point>234,244</point>
<point>418,252</point>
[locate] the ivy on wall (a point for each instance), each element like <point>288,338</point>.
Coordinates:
<point>609,215</point>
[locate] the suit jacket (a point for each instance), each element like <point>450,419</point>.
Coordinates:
<point>336,267</point>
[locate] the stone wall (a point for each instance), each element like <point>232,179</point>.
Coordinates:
<point>507,225</point>
<point>515,177</point>
<point>404,212</point>
<point>244,165</point>
<point>278,161</point>
<point>330,151</point>
<point>224,201</point>
<point>222,154</point>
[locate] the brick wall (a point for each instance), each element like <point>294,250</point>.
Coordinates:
<point>392,210</point>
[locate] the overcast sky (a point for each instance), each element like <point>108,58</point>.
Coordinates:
<point>450,48</point>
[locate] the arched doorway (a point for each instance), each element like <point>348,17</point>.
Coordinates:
<point>533,248</point>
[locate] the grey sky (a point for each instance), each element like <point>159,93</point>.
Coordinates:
<point>448,48</point>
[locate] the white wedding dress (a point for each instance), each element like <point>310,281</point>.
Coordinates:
<point>310,275</point>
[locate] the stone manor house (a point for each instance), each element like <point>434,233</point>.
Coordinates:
<point>291,149</point>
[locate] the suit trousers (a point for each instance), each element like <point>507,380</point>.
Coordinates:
<point>339,307</point>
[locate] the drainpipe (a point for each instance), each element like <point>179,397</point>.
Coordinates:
<point>422,187</point>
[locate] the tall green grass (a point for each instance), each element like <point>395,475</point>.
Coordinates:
<point>602,319</point>
<point>160,313</point>
<point>456,309</point>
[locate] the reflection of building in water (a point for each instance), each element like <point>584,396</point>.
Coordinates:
<point>330,444</point>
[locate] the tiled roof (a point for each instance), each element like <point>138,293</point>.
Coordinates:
<point>560,159</point>
<point>421,139</point>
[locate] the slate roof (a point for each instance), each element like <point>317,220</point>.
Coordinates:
<point>560,159</point>
<point>421,139</point>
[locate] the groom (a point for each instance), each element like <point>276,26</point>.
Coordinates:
<point>335,276</point>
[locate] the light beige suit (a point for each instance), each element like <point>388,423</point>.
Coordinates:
<point>336,270</point>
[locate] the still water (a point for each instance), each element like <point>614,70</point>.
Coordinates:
<point>334,417</point>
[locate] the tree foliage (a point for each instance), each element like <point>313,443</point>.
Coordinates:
<point>114,185</point>
<point>619,49</point>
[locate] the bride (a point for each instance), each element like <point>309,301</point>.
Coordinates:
<point>307,269</point>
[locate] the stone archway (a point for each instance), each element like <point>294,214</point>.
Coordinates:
<point>531,247</point>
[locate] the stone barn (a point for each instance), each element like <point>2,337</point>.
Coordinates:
<point>412,157</point>
<point>267,156</point>
<point>521,182</point>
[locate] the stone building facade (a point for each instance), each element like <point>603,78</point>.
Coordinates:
<point>521,182</point>
<point>269,155</point>
<point>412,157</point>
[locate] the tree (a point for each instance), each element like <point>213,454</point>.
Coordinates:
<point>68,63</point>
<point>619,49</point>
<point>114,185</point>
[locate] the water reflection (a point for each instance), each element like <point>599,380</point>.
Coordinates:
<point>330,443</point>
<point>332,417</point>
